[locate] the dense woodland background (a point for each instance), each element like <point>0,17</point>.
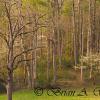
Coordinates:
<point>49,43</point>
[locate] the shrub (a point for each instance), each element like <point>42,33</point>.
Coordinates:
<point>2,88</point>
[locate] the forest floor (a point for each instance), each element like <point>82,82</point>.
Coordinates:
<point>30,95</point>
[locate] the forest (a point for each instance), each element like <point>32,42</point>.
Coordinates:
<point>48,44</point>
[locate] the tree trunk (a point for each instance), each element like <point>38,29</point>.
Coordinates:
<point>74,35</point>
<point>54,64</point>
<point>10,85</point>
<point>48,58</point>
<point>10,69</point>
<point>34,53</point>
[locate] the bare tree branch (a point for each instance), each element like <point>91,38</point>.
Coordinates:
<point>18,31</point>
<point>41,16</point>
<point>26,52</point>
<point>15,26</point>
<point>20,62</point>
<point>9,19</point>
<point>4,38</point>
<point>27,32</point>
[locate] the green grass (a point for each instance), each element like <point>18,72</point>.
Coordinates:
<point>30,95</point>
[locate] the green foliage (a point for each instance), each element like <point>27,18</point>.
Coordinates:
<point>43,3</point>
<point>2,88</point>
<point>36,2</point>
<point>98,1</point>
<point>67,62</point>
<point>67,8</point>
<point>67,57</point>
<point>41,70</point>
<point>41,62</point>
<point>3,65</point>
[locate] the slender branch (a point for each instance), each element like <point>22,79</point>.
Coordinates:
<point>20,62</point>
<point>26,32</point>
<point>41,16</point>
<point>4,38</point>
<point>9,19</point>
<point>18,31</point>
<point>26,52</point>
<point>15,26</point>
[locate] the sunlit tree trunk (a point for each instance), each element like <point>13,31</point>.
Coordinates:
<point>74,35</point>
<point>34,53</point>
<point>92,34</point>
<point>48,58</point>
